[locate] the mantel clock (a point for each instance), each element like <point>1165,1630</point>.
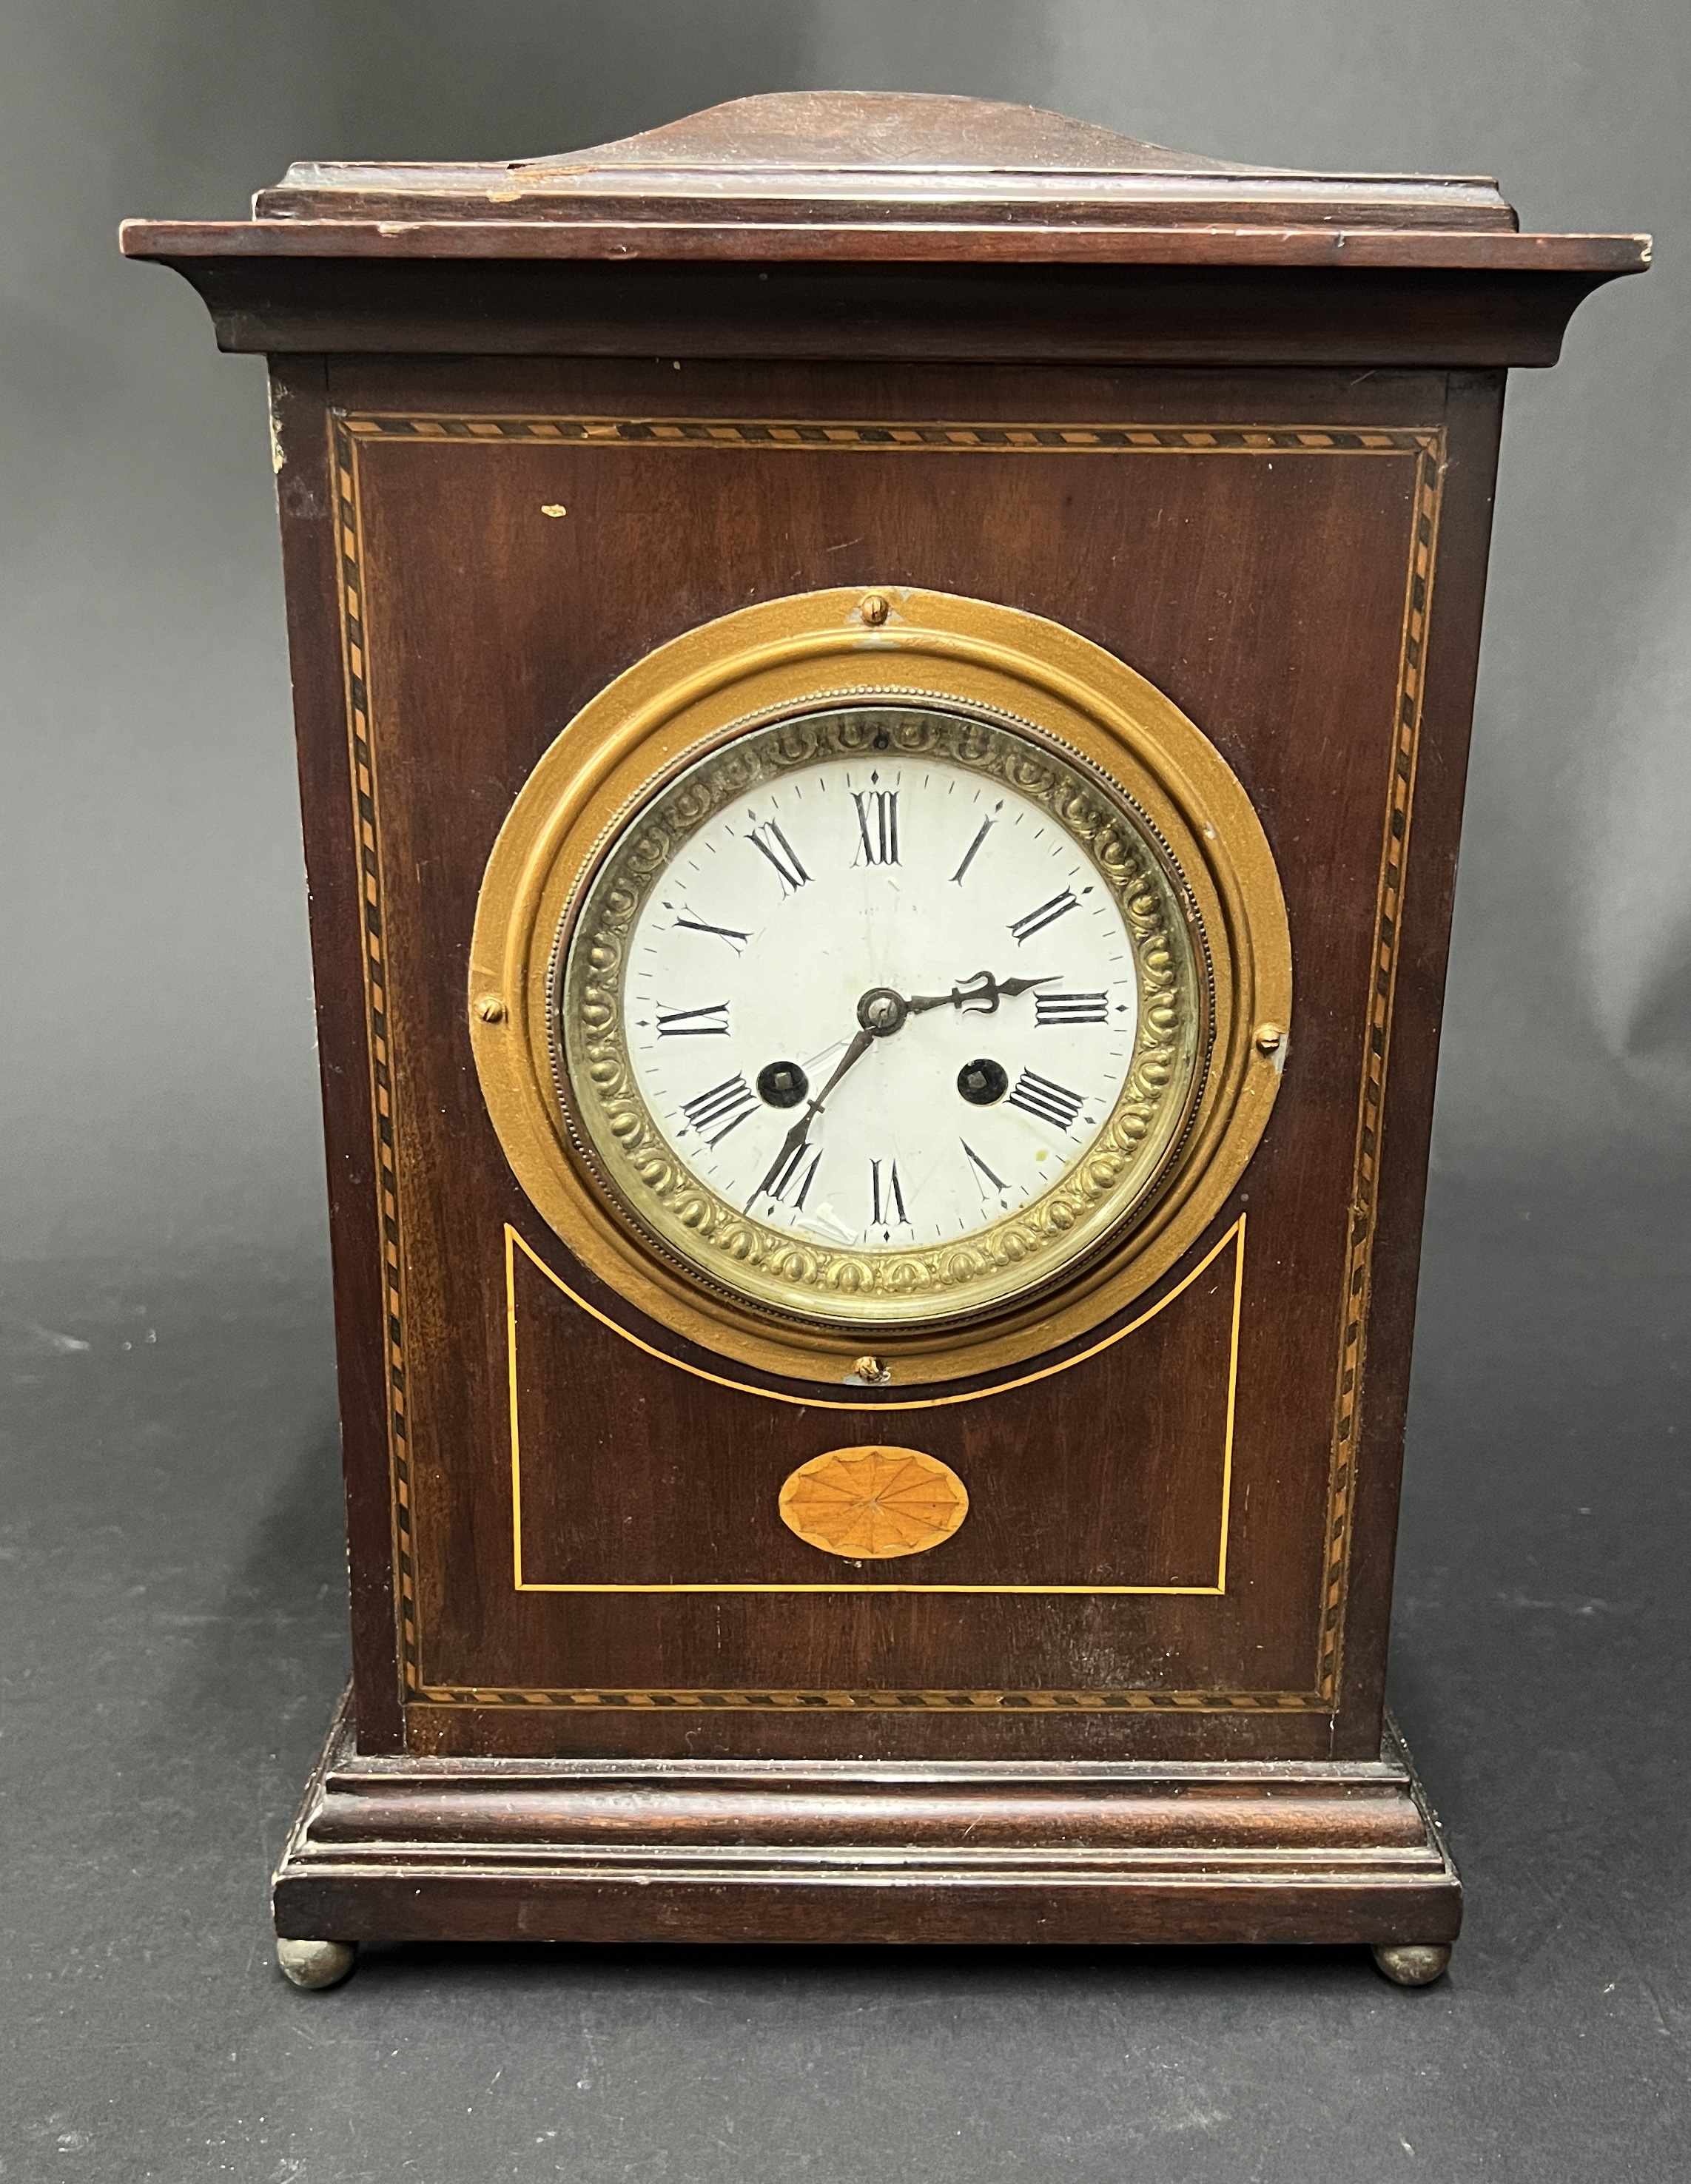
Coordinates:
<point>883,686</point>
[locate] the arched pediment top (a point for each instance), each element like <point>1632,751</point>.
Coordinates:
<point>808,131</point>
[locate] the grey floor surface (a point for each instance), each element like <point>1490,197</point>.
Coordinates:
<point>172,1641</point>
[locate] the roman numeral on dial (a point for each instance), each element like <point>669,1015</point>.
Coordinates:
<point>878,824</point>
<point>1071,1008</point>
<point>973,849</point>
<point>693,1024</point>
<point>792,1170</point>
<point>887,1193</point>
<point>727,1103</point>
<point>781,854</point>
<point>1047,914</point>
<point>981,1167</point>
<point>1046,1102</point>
<point>736,940</point>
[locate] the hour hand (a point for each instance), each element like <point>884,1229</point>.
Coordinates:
<point>978,996</point>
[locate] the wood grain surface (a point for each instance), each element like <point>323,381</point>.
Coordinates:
<point>1265,587</point>
<point>689,1852</point>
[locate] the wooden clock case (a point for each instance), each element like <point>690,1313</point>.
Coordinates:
<point>1240,429</point>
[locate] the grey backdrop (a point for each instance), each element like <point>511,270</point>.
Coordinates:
<point>171,1628</point>
<point>157,1069</point>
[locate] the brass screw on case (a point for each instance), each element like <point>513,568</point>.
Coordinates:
<point>1270,1037</point>
<point>871,1370</point>
<point>874,609</point>
<point>490,1009</point>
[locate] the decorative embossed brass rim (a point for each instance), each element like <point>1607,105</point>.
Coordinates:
<point>630,1153</point>
<point>1166,838</point>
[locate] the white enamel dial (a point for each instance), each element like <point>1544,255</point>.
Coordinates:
<point>882,1014</point>
<point>782,943</point>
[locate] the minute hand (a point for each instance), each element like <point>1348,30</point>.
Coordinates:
<point>980,995</point>
<point>796,1137</point>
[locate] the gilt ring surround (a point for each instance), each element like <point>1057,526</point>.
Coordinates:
<point>1151,802</point>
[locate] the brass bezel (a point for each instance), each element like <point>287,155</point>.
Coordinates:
<point>816,650</point>
<point>1030,1251</point>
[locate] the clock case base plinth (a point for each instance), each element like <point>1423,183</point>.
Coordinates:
<point>409,1849</point>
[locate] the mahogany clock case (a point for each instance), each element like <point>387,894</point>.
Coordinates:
<point>1258,469</point>
<point>480,624</point>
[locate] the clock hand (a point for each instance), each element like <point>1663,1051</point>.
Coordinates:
<point>981,994</point>
<point>880,1012</point>
<point>796,1137</point>
<point>853,1055</point>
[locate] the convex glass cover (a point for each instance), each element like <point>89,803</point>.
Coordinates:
<point>882,1013</point>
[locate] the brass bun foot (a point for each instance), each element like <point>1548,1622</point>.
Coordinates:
<point>320,1963</point>
<point>1412,1963</point>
